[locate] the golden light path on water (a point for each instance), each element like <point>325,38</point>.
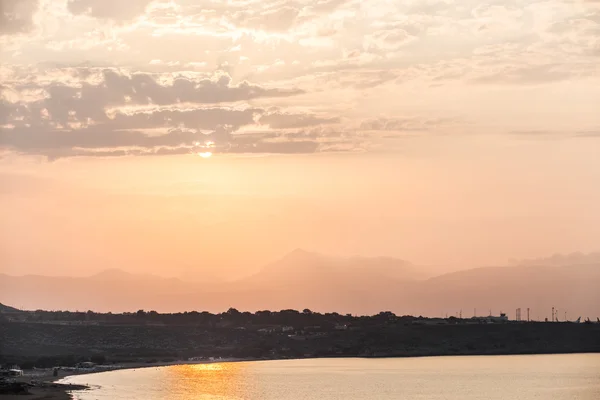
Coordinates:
<point>207,381</point>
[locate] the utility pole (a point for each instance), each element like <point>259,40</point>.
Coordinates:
<point>528,314</point>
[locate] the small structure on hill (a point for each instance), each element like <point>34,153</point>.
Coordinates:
<point>12,371</point>
<point>492,319</point>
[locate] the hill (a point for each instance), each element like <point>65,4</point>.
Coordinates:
<point>571,289</point>
<point>5,308</point>
<point>322,283</point>
<point>304,267</point>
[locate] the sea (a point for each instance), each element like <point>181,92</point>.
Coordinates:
<point>528,377</point>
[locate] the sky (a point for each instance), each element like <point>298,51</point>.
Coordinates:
<point>207,138</point>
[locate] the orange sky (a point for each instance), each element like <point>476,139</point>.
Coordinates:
<point>450,134</point>
<point>227,216</point>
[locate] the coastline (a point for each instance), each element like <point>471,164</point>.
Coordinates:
<point>45,390</point>
<point>45,386</point>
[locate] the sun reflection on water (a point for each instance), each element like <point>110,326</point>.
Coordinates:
<point>212,381</point>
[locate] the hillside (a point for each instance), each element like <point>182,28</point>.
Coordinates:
<point>154,337</point>
<point>570,289</point>
<point>303,267</point>
<point>322,283</point>
<point>5,308</point>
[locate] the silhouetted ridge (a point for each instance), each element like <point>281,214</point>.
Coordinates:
<point>5,308</point>
<point>303,279</point>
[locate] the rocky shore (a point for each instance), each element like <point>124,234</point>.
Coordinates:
<point>13,389</point>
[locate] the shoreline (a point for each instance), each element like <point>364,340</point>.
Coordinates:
<point>45,386</point>
<point>140,365</point>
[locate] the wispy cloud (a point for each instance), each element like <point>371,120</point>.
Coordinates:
<point>143,69</point>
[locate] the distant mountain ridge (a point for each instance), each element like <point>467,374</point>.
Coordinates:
<point>309,267</point>
<point>303,279</point>
<point>561,260</point>
<point>115,274</point>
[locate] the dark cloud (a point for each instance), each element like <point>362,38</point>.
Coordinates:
<point>108,112</point>
<point>95,142</point>
<point>118,89</point>
<point>188,131</point>
<point>5,111</point>
<point>16,16</point>
<point>128,130</point>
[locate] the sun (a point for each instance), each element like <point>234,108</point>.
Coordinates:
<point>206,154</point>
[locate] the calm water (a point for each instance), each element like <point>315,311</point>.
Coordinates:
<point>554,377</point>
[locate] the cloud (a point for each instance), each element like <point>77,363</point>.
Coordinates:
<point>265,15</point>
<point>346,61</point>
<point>6,110</point>
<point>156,131</point>
<point>16,16</point>
<point>87,95</point>
<point>60,112</point>
<point>296,147</point>
<point>589,134</point>
<point>258,147</point>
<point>99,142</point>
<point>278,120</point>
<point>118,88</point>
<point>124,129</point>
<point>540,134</point>
<point>404,124</point>
<point>535,74</point>
<point>389,39</point>
<point>117,10</point>
<point>271,19</point>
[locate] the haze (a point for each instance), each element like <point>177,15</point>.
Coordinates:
<point>206,139</point>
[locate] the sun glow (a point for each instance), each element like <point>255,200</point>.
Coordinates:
<point>206,154</point>
<point>207,367</point>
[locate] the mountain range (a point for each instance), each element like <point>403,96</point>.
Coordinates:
<point>303,279</point>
